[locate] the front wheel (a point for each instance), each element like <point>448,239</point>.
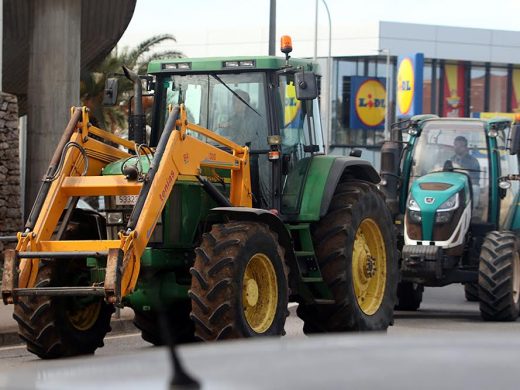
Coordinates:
<point>356,249</point>
<point>239,283</point>
<point>55,327</point>
<point>409,296</point>
<point>499,277</point>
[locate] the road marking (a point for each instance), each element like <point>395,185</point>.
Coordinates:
<point>11,348</point>
<point>122,336</point>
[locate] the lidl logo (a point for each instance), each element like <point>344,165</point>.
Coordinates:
<point>292,107</point>
<point>370,103</point>
<point>405,86</point>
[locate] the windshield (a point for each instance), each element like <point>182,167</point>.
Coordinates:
<point>232,105</point>
<point>461,143</point>
<point>457,143</point>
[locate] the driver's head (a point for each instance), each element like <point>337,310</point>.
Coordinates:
<point>238,105</point>
<point>461,145</point>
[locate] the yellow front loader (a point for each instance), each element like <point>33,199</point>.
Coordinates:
<point>75,171</point>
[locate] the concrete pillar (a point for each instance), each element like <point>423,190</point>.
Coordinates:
<point>54,73</point>
<point>10,211</point>
<point>1,39</point>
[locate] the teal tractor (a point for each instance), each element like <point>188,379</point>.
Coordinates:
<point>453,192</point>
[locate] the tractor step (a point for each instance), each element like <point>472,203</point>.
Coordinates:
<point>60,255</point>
<point>59,291</point>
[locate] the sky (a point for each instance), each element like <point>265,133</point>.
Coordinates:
<point>192,21</point>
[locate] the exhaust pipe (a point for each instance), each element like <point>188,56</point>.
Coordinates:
<point>136,118</point>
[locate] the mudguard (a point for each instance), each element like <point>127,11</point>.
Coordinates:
<point>322,179</point>
<point>271,220</point>
<point>359,169</point>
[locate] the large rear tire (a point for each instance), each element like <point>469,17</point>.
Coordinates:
<point>239,285</point>
<point>409,296</point>
<point>55,327</point>
<point>355,245</point>
<point>499,277</point>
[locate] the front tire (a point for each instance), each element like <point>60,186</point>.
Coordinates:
<point>499,277</point>
<point>239,284</point>
<point>356,249</point>
<point>55,327</point>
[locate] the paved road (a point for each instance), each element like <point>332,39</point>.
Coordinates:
<point>444,313</point>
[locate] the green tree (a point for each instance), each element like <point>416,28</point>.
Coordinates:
<point>137,59</point>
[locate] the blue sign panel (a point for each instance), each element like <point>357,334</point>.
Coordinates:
<point>409,88</point>
<point>367,103</point>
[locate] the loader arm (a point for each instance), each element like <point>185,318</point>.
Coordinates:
<point>78,173</point>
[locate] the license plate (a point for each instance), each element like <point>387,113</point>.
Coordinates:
<point>126,200</point>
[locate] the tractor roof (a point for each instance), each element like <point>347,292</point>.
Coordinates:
<point>225,64</point>
<point>434,118</point>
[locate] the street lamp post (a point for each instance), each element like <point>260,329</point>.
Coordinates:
<point>329,72</point>
<point>272,28</point>
<point>388,85</point>
<point>329,84</point>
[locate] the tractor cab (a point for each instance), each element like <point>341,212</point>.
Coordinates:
<point>252,102</point>
<point>451,146</point>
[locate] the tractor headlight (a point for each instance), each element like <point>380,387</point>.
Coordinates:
<point>412,204</point>
<point>451,204</point>
<point>414,211</point>
<point>445,211</point>
<point>415,216</point>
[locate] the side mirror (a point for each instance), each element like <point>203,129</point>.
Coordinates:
<point>355,153</point>
<point>306,88</point>
<point>110,93</point>
<point>514,146</point>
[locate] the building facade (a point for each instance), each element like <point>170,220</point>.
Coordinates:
<point>466,71</point>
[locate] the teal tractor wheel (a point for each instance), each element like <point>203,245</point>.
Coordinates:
<point>499,277</point>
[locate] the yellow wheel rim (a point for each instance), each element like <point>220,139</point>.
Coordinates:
<point>84,318</point>
<point>516,277</point>
<point>259,293</point>
<point>369,266</point>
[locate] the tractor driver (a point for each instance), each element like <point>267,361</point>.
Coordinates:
<point>465,160</point>
<point>244,124</point>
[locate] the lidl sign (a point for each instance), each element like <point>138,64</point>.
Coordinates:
<point>368,103</point>
<point>409,89</point>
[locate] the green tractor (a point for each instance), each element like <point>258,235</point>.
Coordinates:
<point>317,230</point>
<point>453,192</point>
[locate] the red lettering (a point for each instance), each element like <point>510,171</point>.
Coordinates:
<point>167,185</point>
